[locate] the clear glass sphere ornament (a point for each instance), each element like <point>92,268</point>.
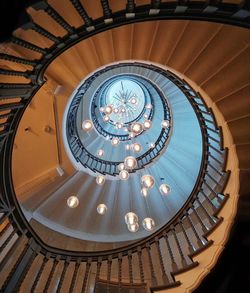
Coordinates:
<point>87,125</point>
<point>108,109</point>
<point>144,191</point>
<point>148,181</point>
<point>164,189</point>
<point>122,110</point>
<point>147,124</point>
<point>127,147</point>
<point>101,109</point>
<point>148,224</point>
<point>116,110</point>
<point>130,162</point>
<point>133,101</point>
<point>131,135</point>
<point>149,106</point>
<point>126,129</point>
<point>145,116</point>
<point>133,227</point>
<point>121,167</point>
<point>100,153</point>
<point>115,141</point>
<point>164,123</point>
<point>124,175</point>
<point>100,180</point>
<point>72,202</point>
<point>131,218</point>
<point>136,127</point>
<point>152,145</point>
<point>106,118</point>
<point>101,209</point>
<point>119,125</point>
<point>137,147</point>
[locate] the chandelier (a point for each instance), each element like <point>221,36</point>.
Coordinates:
<point>128,116</point>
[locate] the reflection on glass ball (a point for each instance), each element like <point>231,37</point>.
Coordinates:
<point>115,141</point>
<point>164,189</point>
<point>100,180</point>
<point>72,201</point>
<point>124,175</point>
<point>148,224</point>
<point>87,125</point>
<point>101,209</point>
<point>147,181</point>
<point>165,124</point>
<point>147,124</point>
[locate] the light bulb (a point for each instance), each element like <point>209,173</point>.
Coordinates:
<point>151,145</point>
<point>147,124</point>
<point>115,141</point>
<point>131,218</point>
<point>116,111</point>
<point>121,167</point>
<point>164,189</point>
<point>72,201</point>
<point>108,109</point>
<point>100,153</point>
<point>130,162</point>
<point>87,125</point>
<point>124,175</point>
<point>136,127</point>
<point>106,118</point>
<point>164,123</point>
<point>100,180</point>
<point>144,191</point>
<point>122,110</point>
<point>133,228</point>
<point>137,147</point>
<point>101,209</point>
<point>147,181</point>
<point>148,224</point>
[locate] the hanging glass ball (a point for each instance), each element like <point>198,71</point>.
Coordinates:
<point>145,116</point>
<point>148,181</point>
<point>87,125</point>
<point>100,180</point>
<point>130,162</point>
<point>131,218</point>
<point>127,147</point>
<point>136,127</point>
<point>115,141</point>
<point>164,123</point>
<point>148,224</point>
<point>119,125</point>
<point>101,209</point>
<point>133,227</point>
<point>144,191</point>
<point>121,167</point>
<point>124,175</point>
<point>100,153</point>
<point>101,109</point>
<point>147,124</point>
<point>164,189</point>
<point>133,100</point>
<point>137,147</point>
<point>149,106</point>
<point>116,111</point>
<point>72,201</point>
<point>108,109</point>
<point>106,118</point>
<point>152,145</point>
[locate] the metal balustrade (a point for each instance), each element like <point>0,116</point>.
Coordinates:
<point>25,260</point>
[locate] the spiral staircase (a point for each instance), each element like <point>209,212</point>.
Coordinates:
<point>193,52</point>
